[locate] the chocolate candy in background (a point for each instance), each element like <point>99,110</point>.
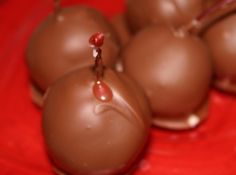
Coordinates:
<point>85,135</point>
<point>174,69</point>
<point>59,45</point>
<point>220,37</point>
<point>174,13</point>
<point>121,26</point>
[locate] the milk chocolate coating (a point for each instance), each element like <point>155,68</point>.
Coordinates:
<point>221,40</point>
<point>87,136</point>
<point>60,44</point>
<point>120,25</point>
<point>141,13</point>
<point>174,70</point>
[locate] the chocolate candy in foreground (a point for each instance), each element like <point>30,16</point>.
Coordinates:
<point>86,135</point>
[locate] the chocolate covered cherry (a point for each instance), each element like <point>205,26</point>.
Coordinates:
<point>174,13</point>
<point>59,45</point>
<point>221,39</point>
<point>174,69</point>
<point>95,121</point>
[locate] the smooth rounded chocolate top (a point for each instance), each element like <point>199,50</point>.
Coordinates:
<point>173,68</point>
<point>60,44</point>
<point>174,13</point>
<point>221,40</point>
<point>85,135</point>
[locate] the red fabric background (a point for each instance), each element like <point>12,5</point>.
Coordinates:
<point>208,150</point>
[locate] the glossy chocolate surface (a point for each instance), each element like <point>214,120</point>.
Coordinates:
<point>121,26</point>
<point>85,135</point>
<point>173,68</point>
<point>60,45</point>
<point>221,40</point>
<point>174,13</point>
<point>122,29</point>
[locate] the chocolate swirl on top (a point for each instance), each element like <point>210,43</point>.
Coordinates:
<point>80,130</point>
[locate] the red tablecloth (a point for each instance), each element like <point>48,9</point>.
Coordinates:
<point>208,150</point>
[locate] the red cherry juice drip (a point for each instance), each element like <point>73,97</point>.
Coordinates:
<point>100,89</point>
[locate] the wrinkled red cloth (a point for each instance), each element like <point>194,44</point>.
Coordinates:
<point>207,150</point>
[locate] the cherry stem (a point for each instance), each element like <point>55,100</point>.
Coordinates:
<point>100,89</point>
<point>57,5</point>
<point>99,68</point>
<point>96,42</point>
<point>209,15</point>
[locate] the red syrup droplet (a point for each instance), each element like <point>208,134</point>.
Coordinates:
<point>102,91</point>
<point>97,39</point>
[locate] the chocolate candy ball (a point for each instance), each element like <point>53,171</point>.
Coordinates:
<point>221,40</point>
<point>174,69</point>
<point>174,13</point>
<point>59,45</point>
<point>88,135</point>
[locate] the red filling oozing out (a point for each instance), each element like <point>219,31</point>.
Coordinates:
<point>102,91</point>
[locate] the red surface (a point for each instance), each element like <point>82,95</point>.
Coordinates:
<point>208,150</point>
